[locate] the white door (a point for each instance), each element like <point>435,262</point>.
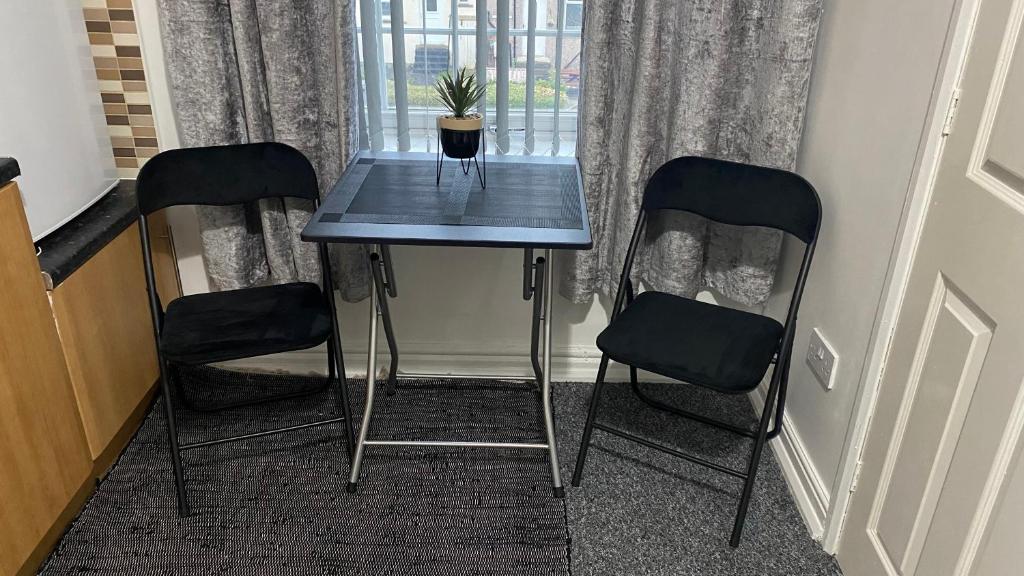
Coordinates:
<point>942,485</point>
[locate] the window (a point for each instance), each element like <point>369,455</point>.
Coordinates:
<point>406,44</point>
<point>574,14</point>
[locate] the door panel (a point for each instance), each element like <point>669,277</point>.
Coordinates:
<point>942,490</point>
<point>943,378</point>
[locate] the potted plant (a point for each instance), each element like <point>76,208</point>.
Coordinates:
<point>460,130</point>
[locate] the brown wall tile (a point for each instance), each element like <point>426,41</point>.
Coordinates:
<point>129,51</point>
<point>129,63</point>
<point>141,120</point>
<point>123,15</point>
<point>95,14</point>
<point>120,69</point>
<point>115,109</point>
<point>100,38</point>
<point>97,26</point>
<point>108,63</point>
<point>123,27</point>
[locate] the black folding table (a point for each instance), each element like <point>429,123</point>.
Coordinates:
<point>390,198</point>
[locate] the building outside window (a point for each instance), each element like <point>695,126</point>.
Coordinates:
<point>535,115</point>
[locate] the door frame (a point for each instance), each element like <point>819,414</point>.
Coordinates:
<point>919,194</point>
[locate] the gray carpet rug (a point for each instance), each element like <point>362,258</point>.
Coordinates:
<point>277,505</point>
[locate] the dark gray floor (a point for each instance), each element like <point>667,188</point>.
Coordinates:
<point>638,512</point>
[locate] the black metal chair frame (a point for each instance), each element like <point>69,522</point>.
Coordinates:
<point>335,360</point>
<point>776,395</point>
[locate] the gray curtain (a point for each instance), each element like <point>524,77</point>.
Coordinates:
<point>267,70</point>
<point>668,78</point>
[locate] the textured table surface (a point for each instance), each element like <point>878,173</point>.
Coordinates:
<point>392,198</point>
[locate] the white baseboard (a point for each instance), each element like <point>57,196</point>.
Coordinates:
<point>805,484</point>
<point>574,364</point>
<point>569,365</point>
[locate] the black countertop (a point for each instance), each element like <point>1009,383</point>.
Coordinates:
<point>65,250</point>
<point>9,170</point>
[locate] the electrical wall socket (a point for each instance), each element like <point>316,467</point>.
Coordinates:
<point>822,359</point>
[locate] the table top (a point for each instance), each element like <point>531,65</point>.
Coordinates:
<point>391,198</point>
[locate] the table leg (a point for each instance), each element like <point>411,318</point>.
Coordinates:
<point>549,418</point>
<point>533,281</point>
<point>387,288</point>
<point>371,369</point>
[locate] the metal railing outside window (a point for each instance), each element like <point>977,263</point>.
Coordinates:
<point>528,50</point>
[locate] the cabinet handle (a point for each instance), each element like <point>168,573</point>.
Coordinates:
<point>174,256</point>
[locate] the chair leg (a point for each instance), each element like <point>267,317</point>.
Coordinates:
<point>336,370</point>
<point>385,314</point>
<point>588,429</point>
<point>780,404</point>
<point>755,460</point>
<point>538,283</point>
<point>172,432</point>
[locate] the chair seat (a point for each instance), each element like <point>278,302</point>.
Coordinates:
<point>720,348</point>
<point>234,324</point>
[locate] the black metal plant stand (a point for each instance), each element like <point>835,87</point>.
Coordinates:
<point>465,163</point>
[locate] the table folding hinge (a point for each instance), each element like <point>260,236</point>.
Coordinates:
<point>529,274</point>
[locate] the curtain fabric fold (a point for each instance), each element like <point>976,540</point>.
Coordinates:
<point>267,70</point>
<point>669,78</point>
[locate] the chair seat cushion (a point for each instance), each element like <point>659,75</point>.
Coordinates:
<point>234,324</point>
<point>716,347</point>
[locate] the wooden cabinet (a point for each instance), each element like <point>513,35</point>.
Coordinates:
<point>77,372</point>
<point>45,463</point>
<point>165,259</point>
<point>103,319</point>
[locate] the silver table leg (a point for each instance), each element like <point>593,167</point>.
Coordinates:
<point>549,417</point>
<point>544,292</point>
<point>371,369</point>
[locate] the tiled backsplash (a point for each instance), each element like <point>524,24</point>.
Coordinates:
<point>114,40</point>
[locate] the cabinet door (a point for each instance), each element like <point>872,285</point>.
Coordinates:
<point>165,260</point>
<point>103,317</point>
<point>44,459</point>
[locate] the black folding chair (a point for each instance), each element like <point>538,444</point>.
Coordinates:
<point>233,324</point>
<point>722,349</point>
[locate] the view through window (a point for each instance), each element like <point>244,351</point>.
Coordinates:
<point>528,50</point>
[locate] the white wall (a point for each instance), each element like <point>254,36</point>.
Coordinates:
<point>871,91</point>
<point>51,116</point>
<point>875,72</point>
<point>456,304</point>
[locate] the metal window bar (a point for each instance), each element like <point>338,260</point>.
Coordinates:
<point>556,137</point>
<point>376,80</point>
<point>531,69</point>
<point>371,70</point>
<point>481,53</point>
<point>503,60</point>
<point>397,31</point>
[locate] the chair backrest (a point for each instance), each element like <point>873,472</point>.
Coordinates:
<point>223,175</point>
<point>734,193</point>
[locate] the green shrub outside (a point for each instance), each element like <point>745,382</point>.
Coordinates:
<point>543,95</point>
